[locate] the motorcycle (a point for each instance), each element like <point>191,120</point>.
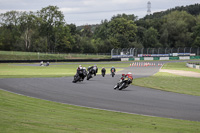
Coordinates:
<point>78,77</point>
<point>89,75</point>
<point>123,84</point>
<point>103,74</point>
<point>113,74</point>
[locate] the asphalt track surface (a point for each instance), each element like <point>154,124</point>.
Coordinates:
<point>98,93</point>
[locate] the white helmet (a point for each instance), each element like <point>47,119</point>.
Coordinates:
<point>84,68</point>
<point>80,66</point>
<point>129,73</point>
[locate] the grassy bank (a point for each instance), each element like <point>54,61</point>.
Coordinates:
<point>170,82</point>
<point>15,55</point>
<point>24,114</point>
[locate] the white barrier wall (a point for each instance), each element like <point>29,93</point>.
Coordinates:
<point>184,57</point>
<point>137,58</point>
<point>124,59</point>
<point>148,58</point>
<point>164,58</point>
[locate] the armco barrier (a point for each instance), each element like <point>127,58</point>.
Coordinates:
<point>165,58</point>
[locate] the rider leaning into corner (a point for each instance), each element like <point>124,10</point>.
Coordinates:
<point>129,76</point>
<point>93,69</point>
<point>81,71</point>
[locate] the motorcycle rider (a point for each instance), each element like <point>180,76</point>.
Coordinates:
<point>93,69</point>
<point>112,69</point>
<point>47,64</point>
<point>84,73</point>
<point>41,63</point>
<point>103,71</point>
<point>79,72</point>
<point>128,75</point>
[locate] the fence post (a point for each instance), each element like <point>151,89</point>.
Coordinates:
<point>147,50</point>
<point>142,51</point>
<point>133,51</point>
<point>190,49</point>
<point>112,53</point>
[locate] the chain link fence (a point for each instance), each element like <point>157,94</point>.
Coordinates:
<point>136,52</point>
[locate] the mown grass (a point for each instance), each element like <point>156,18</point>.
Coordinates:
<point>179,66</point>
<point>20,71</point>
<point>170,82</point>
<point>16,55</point>
<point>24,114</point>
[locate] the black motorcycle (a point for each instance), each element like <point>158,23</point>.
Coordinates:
<point>90,73</point>
<point>78,77</point>
<point>123,84</point>
<point>103,74</point>
<point>113,74</point>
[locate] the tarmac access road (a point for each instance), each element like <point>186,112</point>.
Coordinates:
<point>98,93</point>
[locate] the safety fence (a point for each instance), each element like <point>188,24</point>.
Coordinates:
<point>154,52</point>
<point>161,58</point>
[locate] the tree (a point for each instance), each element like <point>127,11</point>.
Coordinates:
<point>178,25</point>
<point>10,29</point>
<point>50,19</point>
<point>151,38</point>
<point>123,31</point>
<point>27,28</point>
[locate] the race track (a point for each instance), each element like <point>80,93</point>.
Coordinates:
<point>99,93</point>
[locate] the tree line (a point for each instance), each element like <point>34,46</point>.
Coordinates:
<point>47,31</point>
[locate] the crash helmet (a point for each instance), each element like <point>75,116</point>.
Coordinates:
<point>84,68</point>
<point>129,73</point>
<point>123,74</point>
<point>80,66</point>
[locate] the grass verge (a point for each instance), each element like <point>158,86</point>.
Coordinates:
<point>179,66</point>
<point>16,71</point>
<point>24,114</point>
<point>170,82</point>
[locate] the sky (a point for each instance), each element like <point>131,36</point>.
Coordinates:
<point>82,12</point>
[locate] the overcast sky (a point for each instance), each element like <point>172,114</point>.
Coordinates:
<point>81,12</point>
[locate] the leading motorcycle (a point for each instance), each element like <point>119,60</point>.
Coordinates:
<point>123,83</point>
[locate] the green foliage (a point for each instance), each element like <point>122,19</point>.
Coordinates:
<point>47,31</point>
<point>151,38</point>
